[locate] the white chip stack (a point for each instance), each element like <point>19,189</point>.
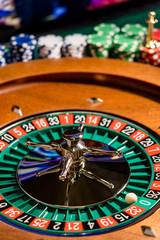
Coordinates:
<point>2,55</point>
<point>50,46</point>
<point>75,45</point>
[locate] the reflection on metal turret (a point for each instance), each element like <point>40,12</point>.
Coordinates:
<point>74,160</point>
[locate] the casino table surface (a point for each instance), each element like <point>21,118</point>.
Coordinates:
<point>130,93</point>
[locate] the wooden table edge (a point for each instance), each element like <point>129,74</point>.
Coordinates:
<point>114,67</point>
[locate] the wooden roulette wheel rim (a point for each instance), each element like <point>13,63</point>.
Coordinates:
<point>130,90</point>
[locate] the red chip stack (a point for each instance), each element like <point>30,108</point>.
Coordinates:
<point>156,34</point>
<point>150,56</point>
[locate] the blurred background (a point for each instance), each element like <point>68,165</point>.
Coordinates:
<point>69,16</point>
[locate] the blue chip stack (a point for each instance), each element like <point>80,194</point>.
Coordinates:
<point>50,46</point>
<point>23,47</point>
<point>75,45</point>
<point>2,55</point>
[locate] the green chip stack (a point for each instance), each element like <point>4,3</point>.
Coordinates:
<point>99,45</point>
<point>125,48</point>
<point>136,31</point>
<point>122,45</point>
<point>108,29</point>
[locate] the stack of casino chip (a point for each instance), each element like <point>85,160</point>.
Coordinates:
<point>2,55</point>
<point>150,56</point>
<point>50,46</point>
<point>136,31</point>
<point>125,48</point>
<point>156,34</point>
<point>23,47</point>
<point>99,45</point>
<point>74,45</point>
<point>108,29</point>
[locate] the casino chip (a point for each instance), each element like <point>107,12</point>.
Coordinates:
<point>134,30</point>
<point>2,55</point>
<point>23,47</point>
<point>150,56</point>
<point>125,48</point>
<point>109,29</point>
<point>156,34</point>
<point>99,45</point>
<point>74,45</point>
<point>50,46</point>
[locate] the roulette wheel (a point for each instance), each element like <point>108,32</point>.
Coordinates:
<point>84,159</point>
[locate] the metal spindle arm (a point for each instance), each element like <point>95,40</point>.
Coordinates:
<point>49,146</point>
<point>66,167</point>
<point>98,151</point>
